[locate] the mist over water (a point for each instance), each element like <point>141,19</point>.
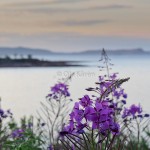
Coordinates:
<point>22,89</point>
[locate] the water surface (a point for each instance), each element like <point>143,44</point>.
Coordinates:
<point>22,89</point>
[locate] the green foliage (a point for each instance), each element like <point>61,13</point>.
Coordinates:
<point>30,139</point>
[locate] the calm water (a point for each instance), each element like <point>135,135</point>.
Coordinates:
<point>22,89</point>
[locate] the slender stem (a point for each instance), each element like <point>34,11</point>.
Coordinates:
<point>64,144</point>
<point>76,136</point>
<point>100,142</point>
<point>87,137</point>
<point>92,139</point>
<point>73,142</point>
<point>138,135</point>
<point>106,63</point>
<point>107,141</point>
<point>76,141</point>
<point>111,143</point>
<point>85,141</point>
<point>57,115</point>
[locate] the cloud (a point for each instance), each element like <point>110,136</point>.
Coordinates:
<point>112,6</point>
<point>80,9</point>
<point>69,1</point>
<point>48,7</point>
<point>85,22</point>
<point>41,3</point>
<point>43,7</point>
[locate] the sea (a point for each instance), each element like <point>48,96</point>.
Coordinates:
<point>22,89</point>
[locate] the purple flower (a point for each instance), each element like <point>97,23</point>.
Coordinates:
<point>123,101</point>
<point>104,126</point>
<point>98,116</point>
<point>132,111</point>
<point>59,89</point>
<point>114,127</point>
<point>124,95</point>
<point>125,113</point>
<point>117,94</point>
<point>135,109</point>
<point>17,133</point>
<point>80,127</point>
<point>97,113</point>
<point>50,147</point>
<point>87,113</point>
<point>77,113</point>
<point>113,76</point>
<point>85,101</point>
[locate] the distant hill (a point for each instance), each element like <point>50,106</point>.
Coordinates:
<point>23,51</point>
<point>30,51</point>
<point>118,52</point>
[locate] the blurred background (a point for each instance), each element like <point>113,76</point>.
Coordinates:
<point>42,41</point>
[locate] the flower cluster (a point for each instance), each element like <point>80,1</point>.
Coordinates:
<point>59,89</point>
<point>91,114</point>
<point>56,108</point>
<point>98,113</point>
<point>108,84</point>
<point>109,89</point>
<point>17,133</point>
<point>133,111</point>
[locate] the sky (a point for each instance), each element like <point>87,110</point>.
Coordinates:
<point>75,25</point>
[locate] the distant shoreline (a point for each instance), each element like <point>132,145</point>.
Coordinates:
<point>26,62</point>
<point>24,51</point>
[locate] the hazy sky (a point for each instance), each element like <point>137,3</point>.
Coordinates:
<point>74,25</point>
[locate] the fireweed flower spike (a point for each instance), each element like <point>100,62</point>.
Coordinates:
<point>55,110</point>
<point>96,115</point>
<point>93,116</point>
<point>59,89</point>
<point>133,112</point>
<point>97,121</point>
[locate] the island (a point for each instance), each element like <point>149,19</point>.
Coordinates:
<point>34,62</point>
